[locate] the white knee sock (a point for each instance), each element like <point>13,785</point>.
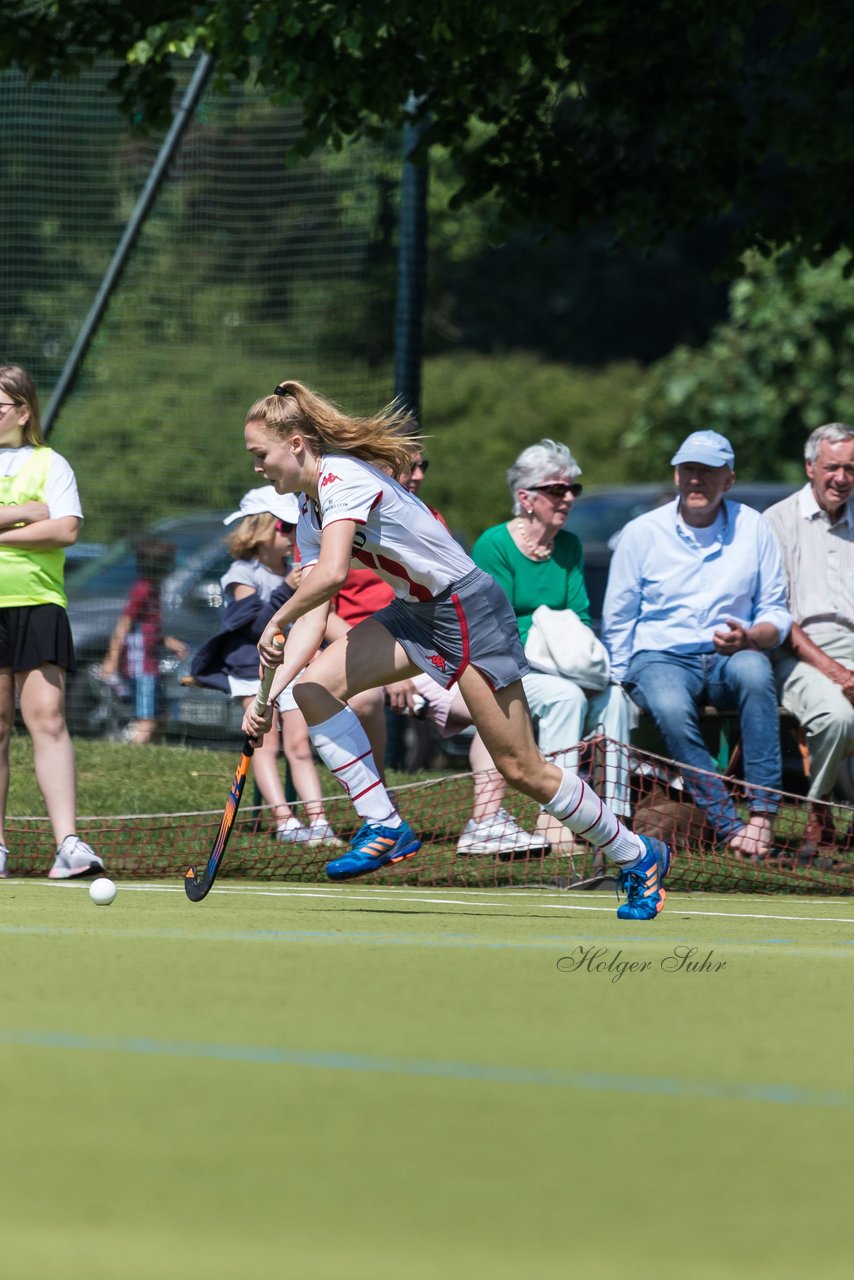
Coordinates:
<point>579,808</point>
<point>343,746</point>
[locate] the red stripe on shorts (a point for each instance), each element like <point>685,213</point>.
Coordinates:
<point>464,633</point>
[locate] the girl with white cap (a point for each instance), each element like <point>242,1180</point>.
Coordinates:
<point>260,578</point>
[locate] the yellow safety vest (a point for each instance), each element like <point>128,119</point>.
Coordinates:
<point>26,576</point>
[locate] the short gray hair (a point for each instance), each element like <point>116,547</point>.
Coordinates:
<point>832,432</point>
<point>537,464</point>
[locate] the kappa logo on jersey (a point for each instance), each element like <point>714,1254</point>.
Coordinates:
<point>329,478</point>
<point>439,662</point>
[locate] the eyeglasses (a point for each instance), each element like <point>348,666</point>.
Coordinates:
<point>420,464</point>
<point>558,490</point>
<point>282,526</point>
<point>8,404</point>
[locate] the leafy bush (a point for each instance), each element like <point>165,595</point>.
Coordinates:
<point>780,367</point>
<point>480,412</point>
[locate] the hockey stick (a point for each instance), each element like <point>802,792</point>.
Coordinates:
<point>197,885</point>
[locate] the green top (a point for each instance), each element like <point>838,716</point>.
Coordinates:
<point>29,576</point>
<point>557,582</point>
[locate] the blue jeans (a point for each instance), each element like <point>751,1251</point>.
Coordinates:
<point>147,697</point>
<point>673,686</point>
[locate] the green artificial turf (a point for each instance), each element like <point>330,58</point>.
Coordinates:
<point>386,1082</point>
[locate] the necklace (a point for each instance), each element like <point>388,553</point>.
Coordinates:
<point>533,549</point>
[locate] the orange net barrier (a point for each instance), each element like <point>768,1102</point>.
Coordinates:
<point>811,853</point>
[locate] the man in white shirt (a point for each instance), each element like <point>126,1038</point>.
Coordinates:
<point>696,597</point>
<point>815,670</point>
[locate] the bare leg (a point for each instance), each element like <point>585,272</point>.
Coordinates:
<point>143,731</point>
<point>42,697</point>
<point>7,720</point>
<point>489,786</point>
<point>504,722</point>
<point>369,656</point>
<point>297,748</point>
<point>265,768</point>
<point>366,658</point>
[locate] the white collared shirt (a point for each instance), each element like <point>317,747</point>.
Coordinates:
<point>818,559</point>
<point>671,587</point>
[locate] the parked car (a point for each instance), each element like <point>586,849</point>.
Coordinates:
<point>190,599</point>
<point>79,554</point>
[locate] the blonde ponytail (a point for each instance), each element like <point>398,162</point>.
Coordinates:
<point>385,439</point>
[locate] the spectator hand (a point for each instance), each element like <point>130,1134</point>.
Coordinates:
<point>401,696</point>
<point>845,679</point>
<point>178,647</point>
<point>732,641</point>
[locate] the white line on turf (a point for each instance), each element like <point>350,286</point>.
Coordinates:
<point>383,893</point>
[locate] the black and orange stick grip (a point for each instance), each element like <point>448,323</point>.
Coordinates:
<point>198,884</point>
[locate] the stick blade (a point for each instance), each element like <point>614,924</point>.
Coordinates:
<point>196,886</point>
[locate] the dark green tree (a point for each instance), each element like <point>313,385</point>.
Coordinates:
<point>645,118</point>
<point>780,367</point>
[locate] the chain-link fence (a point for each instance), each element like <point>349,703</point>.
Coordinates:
<point>246,269</point>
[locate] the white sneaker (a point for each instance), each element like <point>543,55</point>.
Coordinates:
<point>498,834</point>
<point>75,857</point>
<point>320,832</point>
<point>292,832</point>
<point>4,854</point>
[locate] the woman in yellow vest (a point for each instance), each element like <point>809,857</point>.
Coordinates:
<point>40,516</point>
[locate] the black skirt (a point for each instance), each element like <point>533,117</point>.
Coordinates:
<point>35,634</point>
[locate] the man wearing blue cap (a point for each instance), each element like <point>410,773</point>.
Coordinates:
<point>696,597</point>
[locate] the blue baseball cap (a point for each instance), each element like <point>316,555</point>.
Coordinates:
<point>706,447</point>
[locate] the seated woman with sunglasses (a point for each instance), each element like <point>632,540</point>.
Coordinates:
<point>537,562</point>
<point>259,580</point>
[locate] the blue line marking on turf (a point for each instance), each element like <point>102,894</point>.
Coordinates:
<point>546,942</point>
<point>479,1073</point>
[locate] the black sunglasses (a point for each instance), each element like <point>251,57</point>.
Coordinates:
<point>421,465</point>
<point>558,490</point>
<point>282,526</point>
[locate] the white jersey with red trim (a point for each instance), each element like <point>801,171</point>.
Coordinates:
<point>398,537</point>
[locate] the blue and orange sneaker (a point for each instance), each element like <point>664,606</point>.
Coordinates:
<point>643,884</point>
<point>373,847</point>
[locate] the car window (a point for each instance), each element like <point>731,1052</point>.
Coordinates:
<point>596,516</point>
<point>114,573</point>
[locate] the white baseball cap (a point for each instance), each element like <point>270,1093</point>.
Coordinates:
<point>709,448</point>
<point>283,506</point>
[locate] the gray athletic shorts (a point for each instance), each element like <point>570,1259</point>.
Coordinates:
<point>471,621</point>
